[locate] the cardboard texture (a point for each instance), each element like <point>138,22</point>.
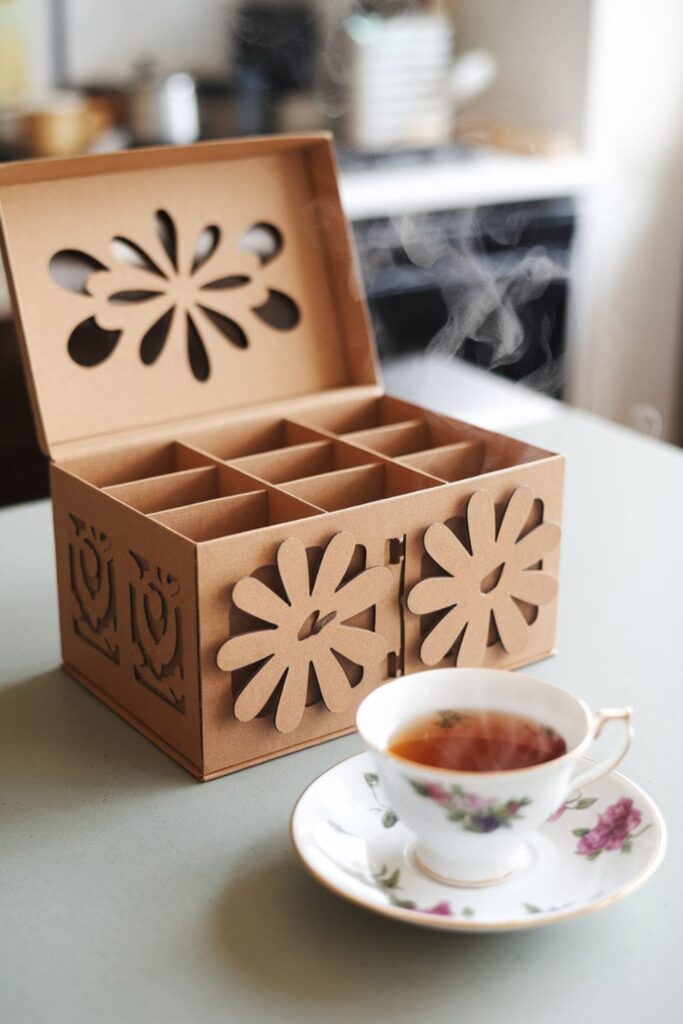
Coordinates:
<point>250,536</point>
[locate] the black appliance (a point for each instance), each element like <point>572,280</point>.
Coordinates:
<point>489,285</point>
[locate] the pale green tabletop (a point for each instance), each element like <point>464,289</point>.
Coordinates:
<point>129,892</point>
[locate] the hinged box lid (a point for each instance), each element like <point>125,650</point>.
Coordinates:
<point>157,286</point>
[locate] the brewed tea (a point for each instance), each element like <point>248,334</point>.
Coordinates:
<point>475,740</point>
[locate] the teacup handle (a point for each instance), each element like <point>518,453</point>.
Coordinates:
<point>597,771</point>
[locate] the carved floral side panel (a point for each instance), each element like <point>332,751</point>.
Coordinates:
<point>156,625</point>
<point>92,577</point>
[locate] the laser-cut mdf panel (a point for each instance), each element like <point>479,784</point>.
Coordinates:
<point>163,285</point>
<point>250,537</point>
<point>305,572</point>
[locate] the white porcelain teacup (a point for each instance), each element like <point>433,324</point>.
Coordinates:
<point>473,827</point>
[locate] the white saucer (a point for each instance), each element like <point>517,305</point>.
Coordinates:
<point>602,846</point>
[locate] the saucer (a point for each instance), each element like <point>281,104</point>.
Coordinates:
<point>597,848</point>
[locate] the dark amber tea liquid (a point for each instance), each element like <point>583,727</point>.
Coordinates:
<point>472,740</point>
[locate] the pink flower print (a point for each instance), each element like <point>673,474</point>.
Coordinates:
<point>556,815</point>
<point>437,792</point>
<point>442,909</point>
<point>612,830</point>
<point>592,843</point>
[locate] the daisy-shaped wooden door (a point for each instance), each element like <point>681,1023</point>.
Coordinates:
<point>310,643</point>
<point>483,582</point>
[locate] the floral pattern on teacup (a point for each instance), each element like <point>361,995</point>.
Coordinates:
<point>387,816</point>
<point>473,813</point>
<point>614,830</point>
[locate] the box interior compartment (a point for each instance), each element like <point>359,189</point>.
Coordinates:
<point>396,429</point>
<point>253,437</point>
<point>407,438</point>
<point>304,460</point>
<point>188,487</point>
<point>206,485</point>
<point>135,462</point>
<point>360,486</point>
<point>351,414</point>
<point>238,513</point>
<point>394,440</point>
<point>451,462</point>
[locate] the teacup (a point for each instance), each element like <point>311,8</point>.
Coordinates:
<point>496,812</point>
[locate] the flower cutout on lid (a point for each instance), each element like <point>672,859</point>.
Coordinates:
<point>188,289</point>
<point>486,581</point>
<point>308,628</point>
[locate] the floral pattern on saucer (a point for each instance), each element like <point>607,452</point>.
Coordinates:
<point>473,813</point>
<point>614,830</point>
<point>338,832</point>
<point>389,882</point>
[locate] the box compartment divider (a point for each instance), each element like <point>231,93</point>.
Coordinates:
<point>142,462</point>
<point>236,513</point>
<point>353,415</point>
<point>392,440</point>
<point>305,460</point>
<point>154,494</point>
<point>251,437</point>
<point>189,487</point>
<point>450,462</point>
<point>348,488</point>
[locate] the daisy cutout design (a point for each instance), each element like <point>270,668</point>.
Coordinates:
<point>178,289</point>
<point>308,628</point>
<point>487,580</point>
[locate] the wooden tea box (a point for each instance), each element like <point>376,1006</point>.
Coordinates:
<point>250,535</point>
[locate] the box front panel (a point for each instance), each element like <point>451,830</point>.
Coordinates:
<point>127,596</point>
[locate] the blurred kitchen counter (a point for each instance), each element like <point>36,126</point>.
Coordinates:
<point>481,177</point>
<point>451,386</point>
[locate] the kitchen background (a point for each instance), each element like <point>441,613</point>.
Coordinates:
<point>512,170</point>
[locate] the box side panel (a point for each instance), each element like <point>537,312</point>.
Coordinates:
<point>128,612</point>
<point>258,594</point>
